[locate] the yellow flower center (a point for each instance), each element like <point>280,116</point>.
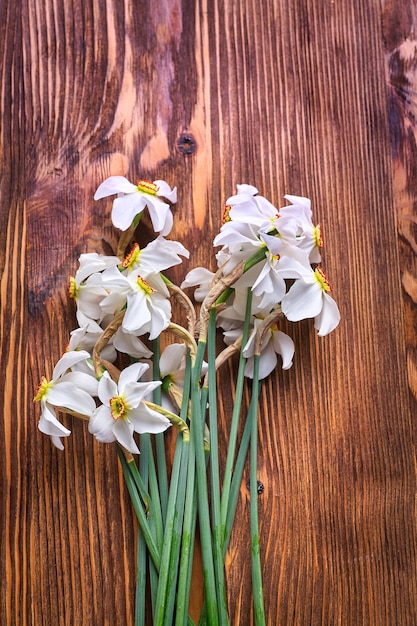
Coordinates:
<point>132,258</point>
<point>145,286</point>
<point>322,279</point>
<point>43,387</point>
<point>72,288</point>
<point>146,186</point>
<point>317,236</point>
<point>118,407</point>
<point>226,214</point>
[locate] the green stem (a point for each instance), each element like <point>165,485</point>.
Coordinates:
<point>234,426</point>
<point>258,600</point>
<point>197,430</point>
<point>140,592</point>
<point>138,508</point>
<point>164,573</point>
<point>214,473</point>
<point>187,546</point>
<point>176,537</point>
<point>160,437</point>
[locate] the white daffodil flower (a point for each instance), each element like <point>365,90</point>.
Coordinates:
<point>133,199</point>
<point>158,255</point>
<point>130,344</point>
<point>86,336</point>
<point>123,413</point>
<point>309,297</point>
<point>275,342</point>
<point>67,389</point>
<point>86,286</point>
<point>148,309</point>
<point>201,278</point>
<point>309,235</point>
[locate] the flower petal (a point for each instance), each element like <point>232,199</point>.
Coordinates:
<point>125,208</point>
<point>112,185</point>
<point>171,359</point>
<point>135,392</point>
<point>123,431</point>
<point>283,345</point>
<point>146,420</point>
<point>68,360</point>
<point>131,374</point>
<point>303,300</point>
<point>328,318</point>
<point>101,425</point>
<point>165,191</point>
<point>107,389</point>
<point>49,425</point>
<point>65,394</point>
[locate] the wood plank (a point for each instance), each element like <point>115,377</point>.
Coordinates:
<point>287,96</point>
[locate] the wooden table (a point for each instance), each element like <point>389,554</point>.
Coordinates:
<point>314,98</point>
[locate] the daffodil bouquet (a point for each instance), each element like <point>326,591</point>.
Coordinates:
<point>131,371</point>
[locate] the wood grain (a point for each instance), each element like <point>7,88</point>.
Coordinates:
<point>312,98</point>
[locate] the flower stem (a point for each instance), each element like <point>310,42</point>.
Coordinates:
<point>258,601</point>
<point>164,572</point>
<point>231,449</point>
<point>188,534</point>
<point>138,508</point>
<point>160,437</point>
<point>197,430</point>
<point>140,592</point>
<point>214,472</point>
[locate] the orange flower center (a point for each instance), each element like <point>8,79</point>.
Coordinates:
<point>322,279</point>
<point>118,407</point>
<point>72,288</point>
<point>42,389</point>
<point>146,186</point>
<point>318,237</point>
<point>145,286</point>
<point>131,258</point>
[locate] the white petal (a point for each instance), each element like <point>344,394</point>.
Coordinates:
<point>247,189</point>
<point>67,395</point>
<point>159,212</point>
<point>83,381</point>
<point>131,374</point>
<point>171,359</point>
<point>146,420</point>
<point>137,314</point>
<point>123,431</point>
<point>283,345</point>
<point>302,301</point>
<point>107,389</point>
<point>49,425</point>
<point>68,360</point>
<point>93,262</point>
<point>268,361</point>
<point>304,202</point>
<point>57,442</point>
<point>125,208</point>
<point>129,344</point>
<point>328,318</point>
<point>135,392</point>
<point>101,425</point>
<point>161,315</point>
<point>112,185</point>
<point>165,190</point>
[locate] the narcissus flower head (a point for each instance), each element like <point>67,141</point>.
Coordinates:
<point>132,200</point>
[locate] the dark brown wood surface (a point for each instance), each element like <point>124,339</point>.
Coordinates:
<point>313,98</point>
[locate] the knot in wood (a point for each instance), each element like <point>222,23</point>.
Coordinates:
<point>186,144</point>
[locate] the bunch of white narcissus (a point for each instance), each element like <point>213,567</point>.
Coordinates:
<point>129,296</point>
